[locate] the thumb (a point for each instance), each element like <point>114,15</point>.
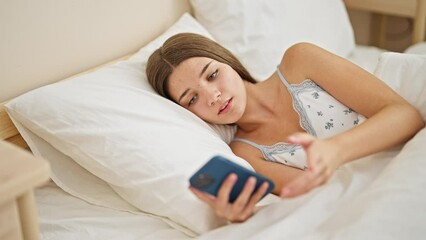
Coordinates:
<point>303,139</point>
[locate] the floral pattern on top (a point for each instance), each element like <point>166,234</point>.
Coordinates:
<point>320,115</point>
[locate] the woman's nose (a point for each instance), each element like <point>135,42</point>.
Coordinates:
<point>214,97</point>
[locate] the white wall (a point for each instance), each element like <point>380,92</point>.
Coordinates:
<point>43,41</point>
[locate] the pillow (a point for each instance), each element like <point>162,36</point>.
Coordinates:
<point>111,123</point>
<point>418,48</point>
<point>259,32</point>
<point>406,74</point>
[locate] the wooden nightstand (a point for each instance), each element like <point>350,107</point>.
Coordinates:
<point>414,9</point>
<point>20,173</point>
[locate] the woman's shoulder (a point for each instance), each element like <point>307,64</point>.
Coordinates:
<point>246,151</point>
<point>300,49</point>
<point>294,65</point>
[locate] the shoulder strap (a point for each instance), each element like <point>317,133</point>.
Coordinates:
<point>248,142</point>
<point>282,77</point>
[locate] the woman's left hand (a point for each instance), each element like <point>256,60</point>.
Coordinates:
<point>322,158</point>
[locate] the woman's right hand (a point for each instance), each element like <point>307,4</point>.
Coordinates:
<point>242,208</point>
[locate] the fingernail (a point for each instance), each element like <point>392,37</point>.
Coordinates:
<point>252,179</point>
<point>285,192</point>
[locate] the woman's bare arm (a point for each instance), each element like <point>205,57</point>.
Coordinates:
<point>391,119</point>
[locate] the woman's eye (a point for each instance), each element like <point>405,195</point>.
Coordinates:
<point>192,100</point>
<point>213,75</point>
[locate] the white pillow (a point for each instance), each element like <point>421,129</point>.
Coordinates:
<point>418,48</point>
<point>259,32</point>
<point>406,74</point>
<point>112,124</point>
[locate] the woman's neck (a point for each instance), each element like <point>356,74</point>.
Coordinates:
<point>263,101</point>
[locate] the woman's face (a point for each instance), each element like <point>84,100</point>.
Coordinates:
<point>210,89</point>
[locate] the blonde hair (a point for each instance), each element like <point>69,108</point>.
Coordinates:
<point>183,46</point>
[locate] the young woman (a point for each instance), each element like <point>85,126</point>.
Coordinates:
<point>315,113</point>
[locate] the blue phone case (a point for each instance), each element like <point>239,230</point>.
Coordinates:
<point>210,177</point>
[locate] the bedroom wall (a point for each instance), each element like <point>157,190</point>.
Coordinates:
<point>45,41</point>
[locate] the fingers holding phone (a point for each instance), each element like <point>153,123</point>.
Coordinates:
<point>223,192</point>
<point>231,190</point>
<point>242,208</point>
<point>245,205</point>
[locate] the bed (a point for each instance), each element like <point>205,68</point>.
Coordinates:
<point>110,147</point>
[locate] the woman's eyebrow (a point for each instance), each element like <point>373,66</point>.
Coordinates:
<point>183,94</point>
<point>205,68</point>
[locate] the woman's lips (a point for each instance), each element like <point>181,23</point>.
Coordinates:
<point>225,107</point>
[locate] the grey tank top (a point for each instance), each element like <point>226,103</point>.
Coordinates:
<point>320,114</point>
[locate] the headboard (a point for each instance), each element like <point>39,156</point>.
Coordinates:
<point>45,41</point>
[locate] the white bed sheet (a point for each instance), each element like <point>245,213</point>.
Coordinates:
<point>379,197</point>
<point>62,216</point>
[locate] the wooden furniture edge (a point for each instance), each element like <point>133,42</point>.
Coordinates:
<point>414,9</point>
<point>20,173</point>
<point>8,131</point>
<point>420,22</point>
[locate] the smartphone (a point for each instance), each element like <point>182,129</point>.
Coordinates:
<point>210,177</point>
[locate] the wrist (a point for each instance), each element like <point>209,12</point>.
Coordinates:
<point>339,151</point>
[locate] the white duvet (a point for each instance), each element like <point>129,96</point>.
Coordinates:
<point>382,196</point>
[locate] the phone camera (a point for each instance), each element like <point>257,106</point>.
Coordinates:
<point>203,180</point>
